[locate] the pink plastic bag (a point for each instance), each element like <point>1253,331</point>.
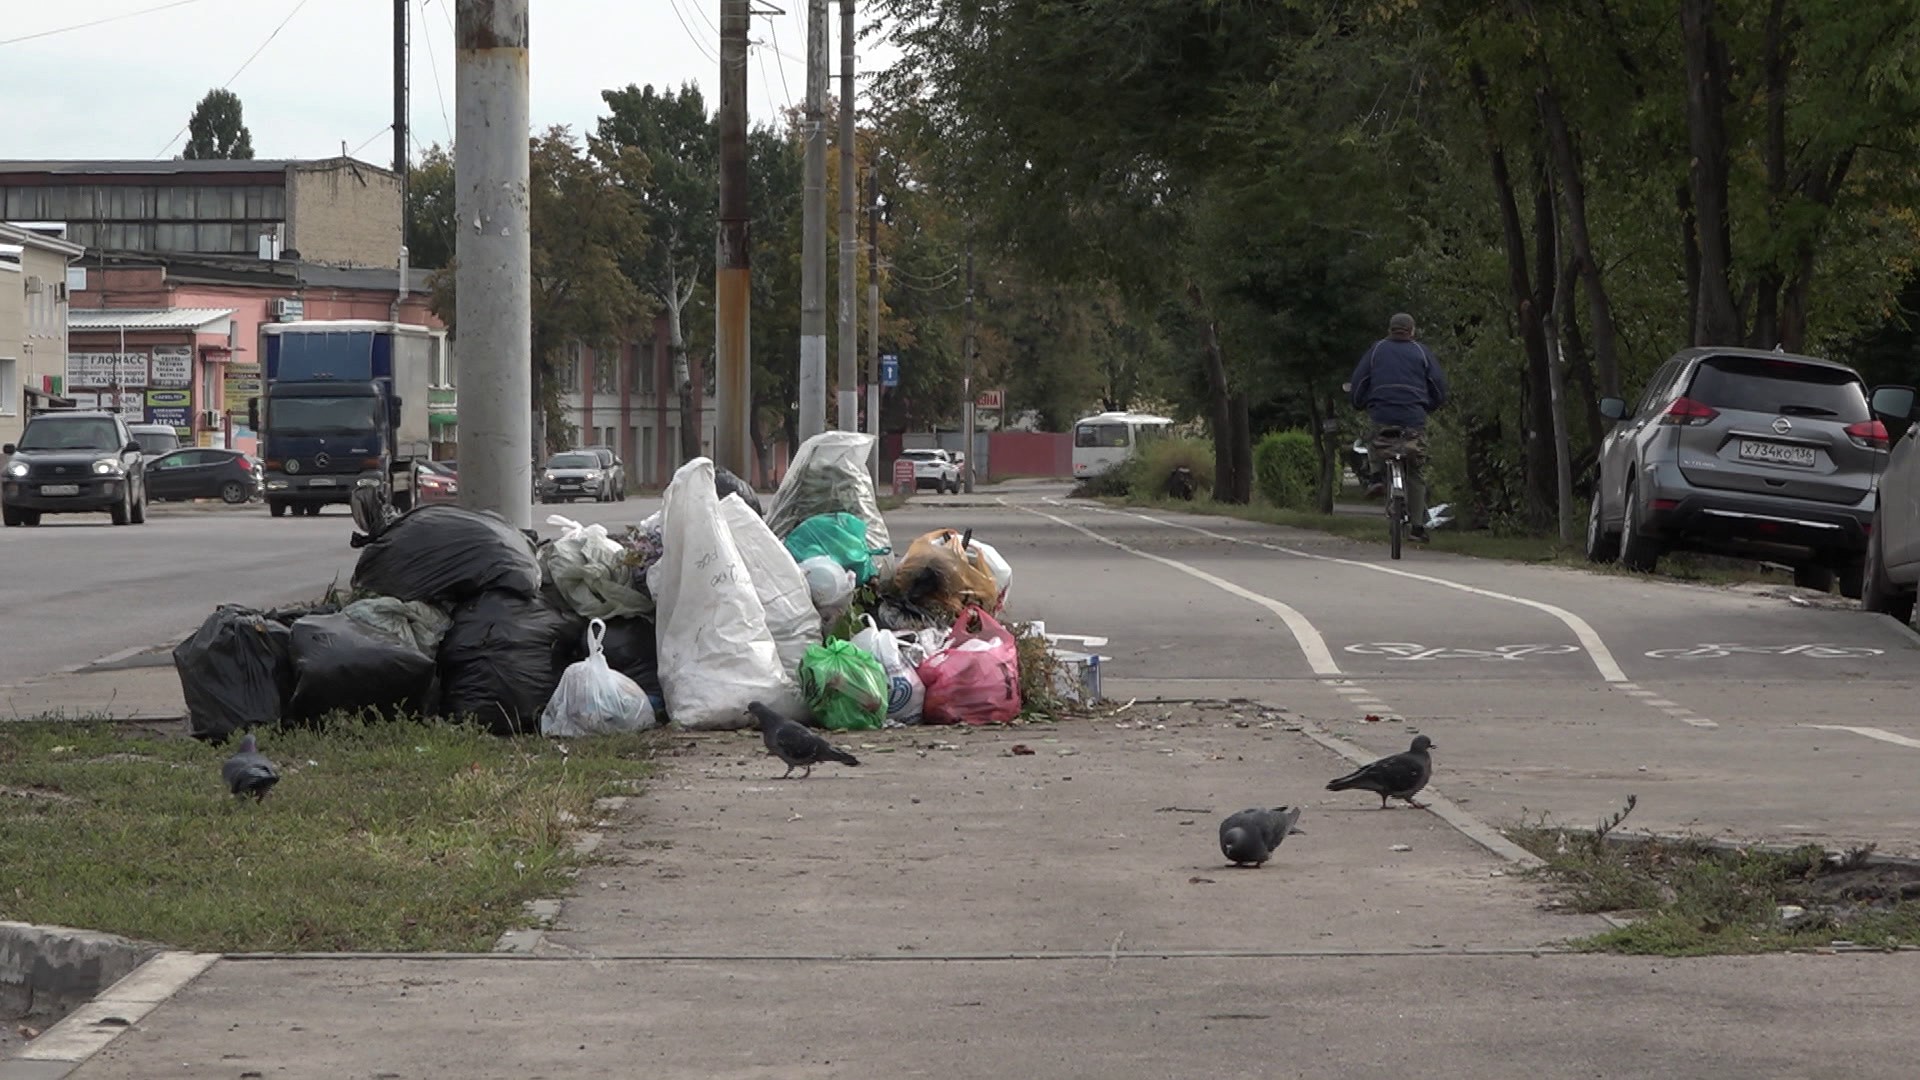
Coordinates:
<point>976,679</point>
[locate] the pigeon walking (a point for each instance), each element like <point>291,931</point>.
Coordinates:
<point>248,772</point>
<point>1249,837</point>
<point>792,743</point>
<point>1400,776</point>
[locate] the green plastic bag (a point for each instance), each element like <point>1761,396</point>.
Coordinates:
<point>846,687</point>
<point>840,537</point>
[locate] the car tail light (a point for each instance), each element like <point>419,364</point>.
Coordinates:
<point>244,462</point>
<point>1664,504</point>
<point>1686,412</point>
<point>1868,434</point>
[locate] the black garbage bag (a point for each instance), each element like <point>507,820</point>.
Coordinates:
<point>503,656</point>
<point>447,554</point>
<point>340,665</point>
<point>632,650</point>
<point>236,672</point>
<point>726,483</point>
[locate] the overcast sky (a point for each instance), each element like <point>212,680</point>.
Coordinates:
<point>124,89</point>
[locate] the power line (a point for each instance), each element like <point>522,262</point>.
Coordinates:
<point>434,65</point>
<point>780,62</point>
<point>237,71</point>
<point>96,22</point>
<point>698,42</point>
<point>356,150</point>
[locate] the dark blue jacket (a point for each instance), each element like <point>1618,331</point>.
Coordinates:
<point>1399,383</point>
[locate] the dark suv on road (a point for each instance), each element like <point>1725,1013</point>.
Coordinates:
<point>73,463</point>
<point>1741,452</point>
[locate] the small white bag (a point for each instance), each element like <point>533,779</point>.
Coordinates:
<point>594,699</point>
<point>906,694</point>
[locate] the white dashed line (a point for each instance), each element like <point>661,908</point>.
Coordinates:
<point>1870,732</point>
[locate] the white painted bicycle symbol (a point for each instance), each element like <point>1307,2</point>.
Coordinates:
<point>1816,651</point>
<point>1407,650</point>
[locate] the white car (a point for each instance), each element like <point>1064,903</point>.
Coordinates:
<point>933,469</point>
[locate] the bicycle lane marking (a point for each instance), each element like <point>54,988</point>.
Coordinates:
<point>1312,644</point>
<point>1590,641</point>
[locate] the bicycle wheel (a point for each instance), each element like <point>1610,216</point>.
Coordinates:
<point>1395,514</point>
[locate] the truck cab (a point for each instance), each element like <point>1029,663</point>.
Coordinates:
<point>345,408</point>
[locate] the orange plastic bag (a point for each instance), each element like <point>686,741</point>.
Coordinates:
<point>935,575</point>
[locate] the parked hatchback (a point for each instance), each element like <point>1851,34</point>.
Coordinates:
<point>1741,452</point>
<point>203,473</point>
<point>576,474</point>
<point>612,466</point>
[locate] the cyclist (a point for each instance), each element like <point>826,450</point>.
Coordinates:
<point>1398,382</point>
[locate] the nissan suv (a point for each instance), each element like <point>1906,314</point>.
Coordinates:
<point>73,463</point>
<point>1742,452</point>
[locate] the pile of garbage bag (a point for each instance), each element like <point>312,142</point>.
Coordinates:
<point>684,619</point>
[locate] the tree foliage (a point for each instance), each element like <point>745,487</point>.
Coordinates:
<point>215,130</point>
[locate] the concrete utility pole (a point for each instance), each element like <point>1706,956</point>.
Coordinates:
<point>849,380</point>
<point>813,245</point>
<point>493,280</point>
<point>873,314</point>
<point>400,87</point>
<point>733,274</point>
<point>966,349</point>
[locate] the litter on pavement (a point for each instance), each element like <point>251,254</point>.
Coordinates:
<point>686,619</point>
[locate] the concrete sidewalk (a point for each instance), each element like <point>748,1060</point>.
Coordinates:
<point>954,908</point>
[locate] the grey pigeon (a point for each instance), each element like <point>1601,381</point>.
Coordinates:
<point>1249,837</point>
<point>792,743</point>
<point>1400,776</point>
<point>248,772</point>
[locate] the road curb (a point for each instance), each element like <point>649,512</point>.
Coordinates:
<point>88,1029</point>
<point>49,970</point>
<point>543,913</point>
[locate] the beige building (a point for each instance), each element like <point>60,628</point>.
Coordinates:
<point>334,211</point>
<point>33,321</point>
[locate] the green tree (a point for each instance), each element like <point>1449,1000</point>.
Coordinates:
<point>215,129</point>
<point>430,210</point>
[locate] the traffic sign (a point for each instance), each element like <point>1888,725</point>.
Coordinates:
<point>890,371</point>
<point>903,478</point>
<point>989,399</point>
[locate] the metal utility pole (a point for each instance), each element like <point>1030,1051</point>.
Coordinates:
<point>813,245</point>
<point>873,315</point>
<point>493,280</point>
<point>400,90</point>
<point>849,381</point>
<point>966,349</point>
<point>733,263</point>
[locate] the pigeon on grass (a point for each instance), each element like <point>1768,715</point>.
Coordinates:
<point>792,743</point>
<point>248,772</point>
<point>1400,776</point>
<point>1249,837</point>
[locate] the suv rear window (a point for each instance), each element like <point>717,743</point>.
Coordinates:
<point>1755,384</point>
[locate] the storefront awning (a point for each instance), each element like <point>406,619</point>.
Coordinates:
<point>441,420</point>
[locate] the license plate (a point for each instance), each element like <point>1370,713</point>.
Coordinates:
<point>320,481</point>
<point>59,489</point>
<point>1801,457</point>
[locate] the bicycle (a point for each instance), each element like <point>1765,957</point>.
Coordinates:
<point>1394,450</point>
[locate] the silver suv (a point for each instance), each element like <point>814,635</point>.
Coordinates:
<point>1741,452</point>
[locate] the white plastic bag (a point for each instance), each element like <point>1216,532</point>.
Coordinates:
<point>828,475</point>
<point>716,653</point>
<point>906,694</point>
<point>594,699</point>
<point>414,622</point>
<point>777,580</point>
<point>829,585</point>
<point>589,569</point>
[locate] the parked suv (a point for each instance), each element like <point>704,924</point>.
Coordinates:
<point>73,463</point>
<point>613,467</point>
<point>934,469</point>
<point>1892,566</point>
<point>1741,452</point>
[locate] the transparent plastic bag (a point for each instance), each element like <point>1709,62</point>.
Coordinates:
<point>589,568</point>
<point>829,475</point>
<point>906,694</point>
<point>594,699</point>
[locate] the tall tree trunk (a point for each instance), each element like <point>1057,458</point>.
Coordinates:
<point>1536,432</point>
<point>1224,484</point>
<point>1573,197</point>
<point>1689,253</point>
<point>1716,321</point>
<point>1766,310</point>
<point>1242,448</point>
<point>762,449</point>
<point>1823,190</point>
<point>1325,448</point>
<point>675,300</point>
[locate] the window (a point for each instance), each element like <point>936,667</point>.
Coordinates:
<point>568,371</point>
<point>9,386</point>
<point>642,361</point>
<point>1785,387</point>
<point>606,371</point>
<point>1103,436</point>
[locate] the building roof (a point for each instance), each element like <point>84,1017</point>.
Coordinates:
<point>279,273</point>
<point>174,166</point>
<point>19,237</point>
<point>144,318</point>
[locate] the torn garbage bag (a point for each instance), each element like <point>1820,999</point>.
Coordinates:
<point>339,665</point>
<point>777,580</point>
<point>236,672</point>
<point>934,575</point>
<point>448,554</point>
<point>716,653</point>
<point>589,569</point>
<point>594,699</point>
<point>502,657</point>
<point>844,686</point>
<point>829,475</point>
<point>976,679</point>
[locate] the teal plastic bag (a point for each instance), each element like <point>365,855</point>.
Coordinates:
<point>846,687</point>
<point>840,537</point>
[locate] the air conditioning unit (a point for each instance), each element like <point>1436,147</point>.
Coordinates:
<point>210,420</point>
<point>34,285</point>
<point>288,308</point>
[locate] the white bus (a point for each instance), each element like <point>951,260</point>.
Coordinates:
<point>1103,441</point>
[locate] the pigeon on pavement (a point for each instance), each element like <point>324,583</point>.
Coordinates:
<point>248,772</point>
<point>1400,776</point>
<point>792,743</point>
<point>1249,837</point>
